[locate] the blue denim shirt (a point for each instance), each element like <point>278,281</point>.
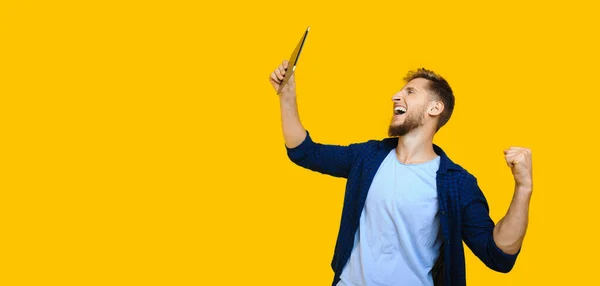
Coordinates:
<point>463,209</point>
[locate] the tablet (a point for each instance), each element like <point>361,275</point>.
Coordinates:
<point>293,60</point>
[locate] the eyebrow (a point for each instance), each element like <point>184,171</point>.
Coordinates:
<point>411,88</point>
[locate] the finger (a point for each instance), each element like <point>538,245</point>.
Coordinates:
<point>511,154</point>
<point>510,160</point>
<point>511,163</point>
<point>514,162</point>
<point>514,151</point>
<point>518,149</point>
<point>278,73</point>
<point>274,78</point>
<point>282,70</point>
<point>285,64</point>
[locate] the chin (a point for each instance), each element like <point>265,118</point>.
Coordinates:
<point>397,122</point>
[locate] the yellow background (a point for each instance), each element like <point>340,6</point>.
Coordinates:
<point>141,141</point>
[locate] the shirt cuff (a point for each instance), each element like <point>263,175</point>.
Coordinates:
<point>504,260</point>
<point>299,151</point>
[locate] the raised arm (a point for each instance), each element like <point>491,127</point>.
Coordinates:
<point>499,245</point>
<point>333,160</point>
<point>293,131</point>
<point>510,231</point>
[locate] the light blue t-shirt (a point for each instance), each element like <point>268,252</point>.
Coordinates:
<point>398,240</point>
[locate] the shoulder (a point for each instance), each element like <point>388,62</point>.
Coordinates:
<point>468,187</point>
<point>463,175</point>
<point>376,144</point>
<point>456,172</point>
<point>463,182</point>
<point>460,175</point>
<point>371,150</point>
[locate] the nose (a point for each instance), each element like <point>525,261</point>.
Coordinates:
<point>397,97</point>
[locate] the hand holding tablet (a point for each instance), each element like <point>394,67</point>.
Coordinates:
<point>282,75</point>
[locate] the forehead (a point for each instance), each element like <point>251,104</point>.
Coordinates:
<point>420,84</point>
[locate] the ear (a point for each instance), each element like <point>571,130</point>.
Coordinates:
<point>435,108</point>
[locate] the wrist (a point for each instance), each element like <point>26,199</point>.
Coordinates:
<point>287,98</point>
<point>524,187</point>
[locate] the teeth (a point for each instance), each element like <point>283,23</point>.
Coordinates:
<point>399,110</point>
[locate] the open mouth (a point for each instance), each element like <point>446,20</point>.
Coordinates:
<point>399,110</point>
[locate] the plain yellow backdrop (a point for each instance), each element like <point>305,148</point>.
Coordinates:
<point>141,141</point>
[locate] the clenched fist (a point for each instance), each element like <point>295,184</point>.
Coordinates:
<point>276,78</point>
<point>519,161</point>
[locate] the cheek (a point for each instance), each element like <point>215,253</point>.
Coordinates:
<point>418,108</point>
<point>427,106</point>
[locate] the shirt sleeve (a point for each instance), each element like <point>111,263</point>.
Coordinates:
<point>477,231</point>
<point>334,160</point>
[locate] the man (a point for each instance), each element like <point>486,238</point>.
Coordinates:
<point>407,206</point>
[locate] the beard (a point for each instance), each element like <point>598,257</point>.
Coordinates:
<point>411,122</point>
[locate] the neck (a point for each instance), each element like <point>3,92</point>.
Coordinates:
<point>415,147</point>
